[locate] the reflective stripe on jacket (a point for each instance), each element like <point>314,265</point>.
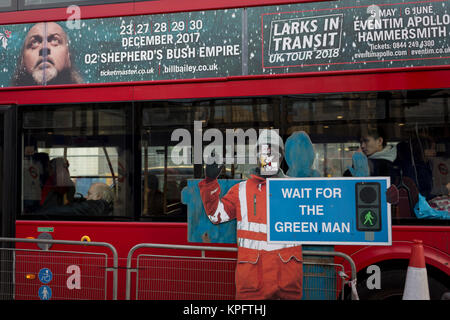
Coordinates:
<point>245,202</point>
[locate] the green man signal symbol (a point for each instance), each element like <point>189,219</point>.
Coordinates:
<point>368,218</point>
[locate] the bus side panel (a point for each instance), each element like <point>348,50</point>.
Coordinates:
<point>435,242</point>
<point>122,235</point>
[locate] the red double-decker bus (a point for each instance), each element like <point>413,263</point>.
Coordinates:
<point>96,90</point>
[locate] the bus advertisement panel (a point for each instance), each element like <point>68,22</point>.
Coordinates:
<point>307,37</point>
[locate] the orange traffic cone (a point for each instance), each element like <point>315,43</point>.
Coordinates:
<point>416,286</point>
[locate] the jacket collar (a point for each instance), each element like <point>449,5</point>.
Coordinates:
<point>388,153</point>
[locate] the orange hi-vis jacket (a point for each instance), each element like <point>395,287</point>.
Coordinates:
<point>264,270</point>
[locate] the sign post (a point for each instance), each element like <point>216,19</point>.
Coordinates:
<point>332,211</point>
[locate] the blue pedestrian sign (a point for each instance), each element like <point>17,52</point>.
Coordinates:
<point>45,275</point>
<point>45,293</point>
<point>331,211</point>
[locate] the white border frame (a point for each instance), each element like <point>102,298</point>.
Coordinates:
<point>366,243</point>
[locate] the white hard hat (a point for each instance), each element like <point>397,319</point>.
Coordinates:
<point>271,136</point>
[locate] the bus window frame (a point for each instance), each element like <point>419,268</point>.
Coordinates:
<point>21,4</point>
<point>127,140</point>
<point>10,186</point>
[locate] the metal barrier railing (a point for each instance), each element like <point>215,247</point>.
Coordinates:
<point>184,277</point>
<point>31,273</point>
<point>163,279</point>
<point>325,280</point>
<point>56,274</point>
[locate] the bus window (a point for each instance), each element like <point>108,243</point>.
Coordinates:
<point>334,122</point>
<point>68,149</point>
<point>416,127</point>
<point>166,168</point>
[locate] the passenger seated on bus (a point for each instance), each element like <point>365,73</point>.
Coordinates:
<point>421,152</point>
<point>424,151</point>
<point>414,161</point>
<point>155,199</point>
<point>99,202</point>
<point>405,182</point>
<point>35,166</point>
<point>380,155</point>
<point>44,160</point>
<point>58,189</point>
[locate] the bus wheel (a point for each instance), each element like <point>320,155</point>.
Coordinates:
<point>392,285</point>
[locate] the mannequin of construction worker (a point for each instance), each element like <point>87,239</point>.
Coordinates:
<point>263,270</point>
